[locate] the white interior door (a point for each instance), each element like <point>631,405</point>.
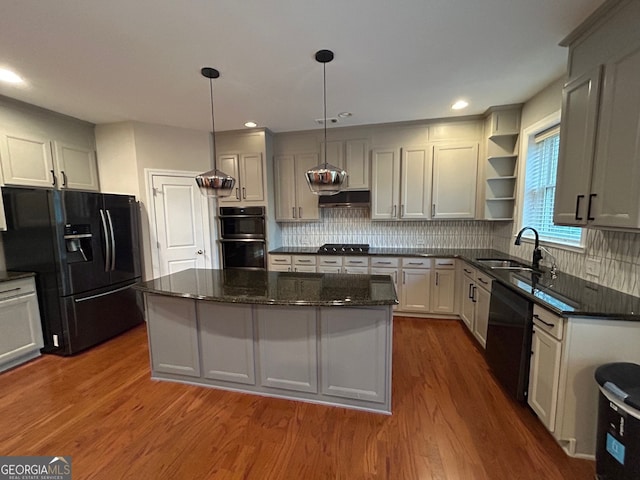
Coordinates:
<point>181,224</point>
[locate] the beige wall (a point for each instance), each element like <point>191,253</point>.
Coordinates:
<point>117,162</point>
<point>545,102</point>
<point>126,149</point>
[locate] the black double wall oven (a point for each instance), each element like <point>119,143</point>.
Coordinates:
<point>243,237</point>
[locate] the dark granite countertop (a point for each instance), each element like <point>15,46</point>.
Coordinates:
<point>275,288</point>
<point>565,295</point>
<point>8,276</point>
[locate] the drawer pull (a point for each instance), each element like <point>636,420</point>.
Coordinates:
<point>466,271</point>
<point>11,290</point>
<point>331,261</point>
<point>279,260</point>
<point>303,261</point>
<point>550,325</point>
<point>383,263</point>
<point>482,281</point>
<point>355,263</point>
<point>414,263</point>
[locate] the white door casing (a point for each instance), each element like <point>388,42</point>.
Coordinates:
<point>179,223</point>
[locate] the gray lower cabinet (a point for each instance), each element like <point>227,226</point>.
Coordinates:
<point>355,351</point>
<point>173,335</point>
<point>227,341</point>
<point>287,344</point>
<point>20,328</point>
<point>330,355</point>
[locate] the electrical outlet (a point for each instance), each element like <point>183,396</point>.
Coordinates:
<point>592,267</point>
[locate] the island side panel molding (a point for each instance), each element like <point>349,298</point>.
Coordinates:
<point>287,342</point>
<point>227,342</point>
<point>173,335</point>
<point>356,353</point>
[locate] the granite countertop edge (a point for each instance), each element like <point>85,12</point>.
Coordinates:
<point>8,276</point>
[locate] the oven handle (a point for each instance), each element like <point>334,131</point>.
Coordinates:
<point>240,216</point>
<point>229,240</point>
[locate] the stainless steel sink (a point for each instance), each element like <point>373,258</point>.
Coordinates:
<point>501,264</point>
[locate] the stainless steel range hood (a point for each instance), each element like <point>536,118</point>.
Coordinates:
<point>346,199</point>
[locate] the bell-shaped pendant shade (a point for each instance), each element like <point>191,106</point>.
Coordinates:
<point>215,183</point>
<point>325,179</point>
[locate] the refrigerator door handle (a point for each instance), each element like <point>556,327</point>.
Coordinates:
<point>107,242</point>
<point>113,241</point>
<point>84,299</point>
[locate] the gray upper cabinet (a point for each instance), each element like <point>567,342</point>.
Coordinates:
<point>577,148</point>
<point>248,170</point>
<point>294,200</point>
<point>455,177</point>
<point>35,161</point>
<point>598,182</point>
<point>353,157</point>
<point>27,160</point>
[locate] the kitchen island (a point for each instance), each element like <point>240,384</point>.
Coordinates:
<point>323,338</point>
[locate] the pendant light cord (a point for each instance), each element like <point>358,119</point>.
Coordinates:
<point>324,99</point>
<point>213,126</point>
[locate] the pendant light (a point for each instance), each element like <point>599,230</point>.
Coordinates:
<point>214,183</point>
<point>325,179</point>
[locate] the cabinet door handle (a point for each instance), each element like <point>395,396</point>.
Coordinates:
<point>64,178</point>
<point>470,295</point>
<point>237,193</point>
<point>402,211</point>
<point>394,211</point>
<point>437,278</point>
<point>591,197</point>
<point>578,198</point>
<point>404,277</point>
<point>244,193</point>
<point>299,212</point>
<point>550,325</point>
<point>294,211</point>
<point>433,210</point>
<point>55,180</point>
<point>473,295</point>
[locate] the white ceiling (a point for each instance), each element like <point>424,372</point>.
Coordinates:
<point>114,60</point>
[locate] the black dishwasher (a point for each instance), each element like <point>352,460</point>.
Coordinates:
<point>508,349</point>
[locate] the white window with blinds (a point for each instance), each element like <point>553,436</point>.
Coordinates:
<point>540,189</point>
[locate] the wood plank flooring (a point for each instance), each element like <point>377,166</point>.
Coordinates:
<point>450,421</point>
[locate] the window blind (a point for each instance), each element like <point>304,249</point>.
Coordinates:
<point>540,189</point>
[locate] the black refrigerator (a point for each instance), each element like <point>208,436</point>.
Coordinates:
<point>84,248</point>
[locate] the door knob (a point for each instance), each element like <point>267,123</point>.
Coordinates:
<point>199,252</point>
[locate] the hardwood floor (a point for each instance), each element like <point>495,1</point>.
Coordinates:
<point>450,421</point>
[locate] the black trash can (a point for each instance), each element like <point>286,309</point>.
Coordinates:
<point>618,443</point>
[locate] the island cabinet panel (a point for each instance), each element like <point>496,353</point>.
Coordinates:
<point>227,341</point>
<point>173,335</point>
<point>355,349</point>
<point>288,351</point>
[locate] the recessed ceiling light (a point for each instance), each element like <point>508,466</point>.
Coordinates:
<point>345,114</point>
<point>9,76</point>
<point>459,105</point>
<point>251,124</point>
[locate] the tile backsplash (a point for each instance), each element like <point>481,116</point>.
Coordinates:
<point>353,225</point>
<point>613,255</point>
